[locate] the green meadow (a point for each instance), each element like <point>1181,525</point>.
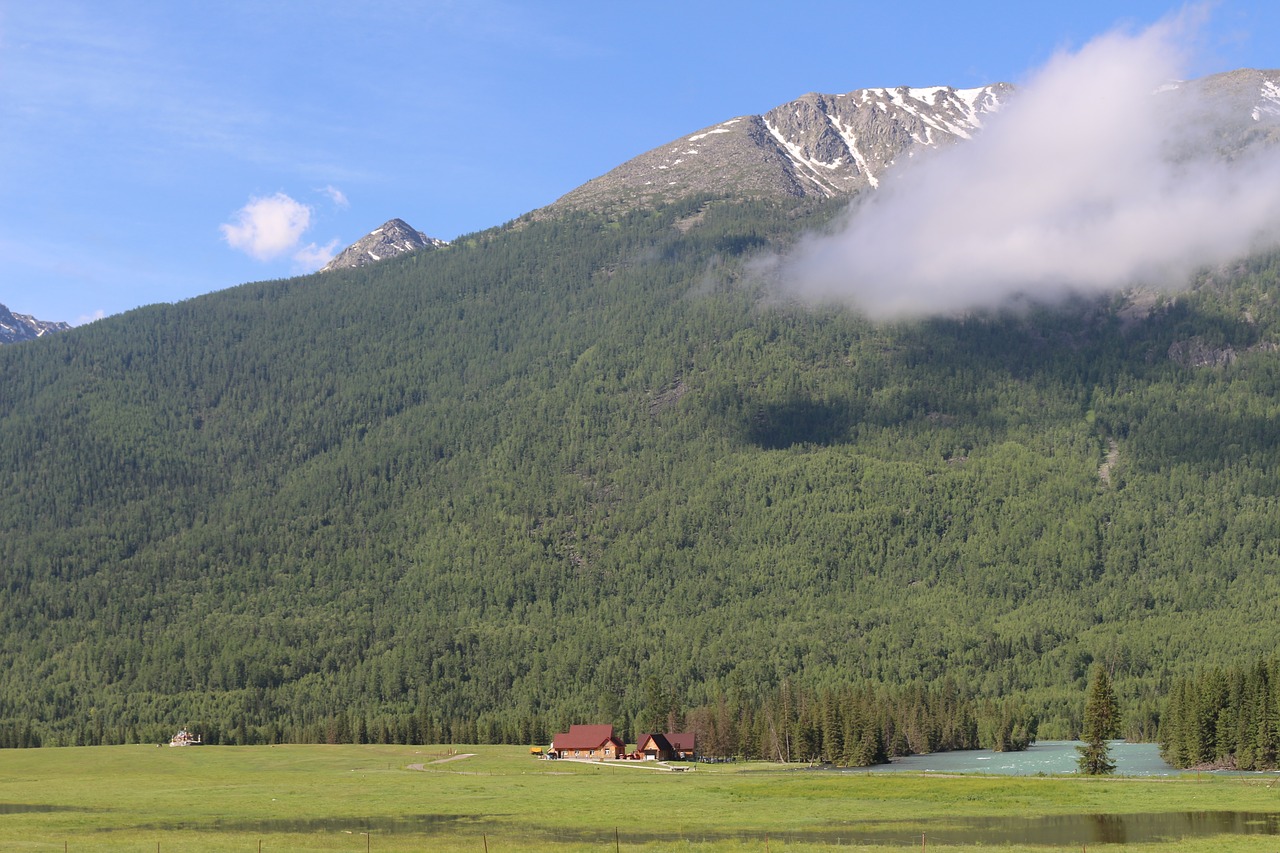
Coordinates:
<point>353,798</point>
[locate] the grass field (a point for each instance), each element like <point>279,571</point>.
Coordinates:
<point>354,798</point>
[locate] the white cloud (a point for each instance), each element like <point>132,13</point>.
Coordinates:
<point>312,257</point>
<point>337,196</point>
<point>1087,182</point>
<point>89,318</point>
<point>268,228</point>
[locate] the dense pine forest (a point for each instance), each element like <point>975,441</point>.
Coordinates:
<point>602,470</point>
<point>1225,717</point>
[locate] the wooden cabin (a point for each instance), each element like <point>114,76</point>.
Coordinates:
<point>667,746</point>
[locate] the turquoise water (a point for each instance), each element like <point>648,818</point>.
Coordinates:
<point>1048,757</point>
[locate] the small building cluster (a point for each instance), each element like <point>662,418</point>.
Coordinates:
<point>185,738</point>
<point>598,742</point>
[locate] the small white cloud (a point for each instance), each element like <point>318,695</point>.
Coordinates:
<point>89,318</point>
<point>267,228</point>
<point>337,196</point>
<point>312,257</point>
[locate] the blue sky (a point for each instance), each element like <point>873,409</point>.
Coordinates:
<point>154,151</point>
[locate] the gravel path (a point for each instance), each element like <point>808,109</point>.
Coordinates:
<point>423,766</point>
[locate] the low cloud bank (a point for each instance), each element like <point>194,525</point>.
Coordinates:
<point>1097,176</point>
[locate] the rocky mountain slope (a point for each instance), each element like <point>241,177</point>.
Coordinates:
<point>394,237</point>
<point>24,327</point>
<point>818,145</point>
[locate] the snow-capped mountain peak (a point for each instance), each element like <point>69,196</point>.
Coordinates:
<point>394,237</point>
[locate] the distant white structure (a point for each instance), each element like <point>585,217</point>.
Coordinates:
<point>185,738</point>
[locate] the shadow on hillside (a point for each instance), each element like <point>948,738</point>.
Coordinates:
<point>979,376</point>
<point>777,426</point>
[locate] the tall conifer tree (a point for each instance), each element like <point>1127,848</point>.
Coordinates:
<point>1101,723</point>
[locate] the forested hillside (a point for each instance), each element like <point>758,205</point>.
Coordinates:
<point>589,470</point>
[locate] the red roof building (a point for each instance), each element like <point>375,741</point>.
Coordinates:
<point>588,742</point>
<point>664,747</point>
<point>683,744</point>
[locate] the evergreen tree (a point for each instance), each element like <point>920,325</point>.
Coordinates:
<point>1101,723</point>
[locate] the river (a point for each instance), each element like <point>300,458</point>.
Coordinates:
<point>1044,758</point>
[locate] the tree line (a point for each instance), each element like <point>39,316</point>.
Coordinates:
<point>853,726</point>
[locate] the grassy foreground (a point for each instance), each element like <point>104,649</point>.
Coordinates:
<point>354,798</point>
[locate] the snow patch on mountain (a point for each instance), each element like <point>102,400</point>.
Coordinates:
<point>809,168</point>
<point>723,128</point>
<point>851,139</point>
<point>1270,103</point>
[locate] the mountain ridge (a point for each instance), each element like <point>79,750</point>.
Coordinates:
<point>15,328</point>
<point>819,146</point>
<point>826,146</point>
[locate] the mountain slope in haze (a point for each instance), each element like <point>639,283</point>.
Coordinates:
<point>394,237</point>
<point>1246,94</point>
<point>24,327</point>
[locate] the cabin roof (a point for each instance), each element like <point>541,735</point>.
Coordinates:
<point>658,741</point>
<point>683,741</point>
<point>584,737</point>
